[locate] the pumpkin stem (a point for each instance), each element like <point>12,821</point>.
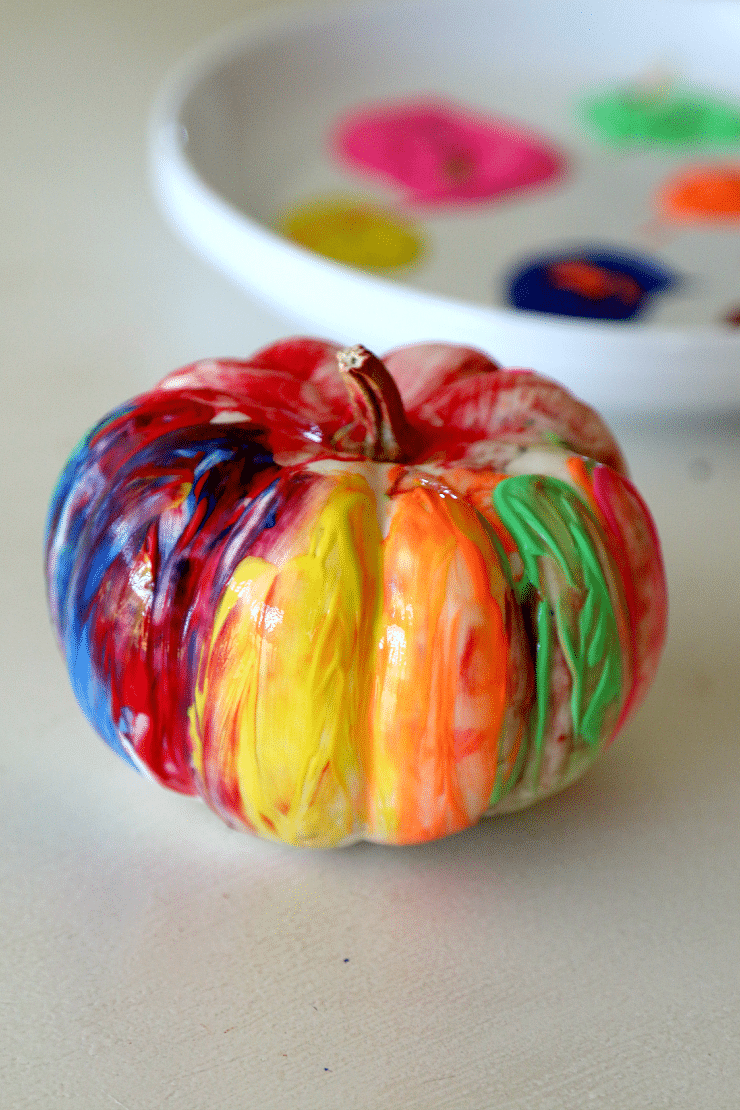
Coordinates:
<point>377,405</point>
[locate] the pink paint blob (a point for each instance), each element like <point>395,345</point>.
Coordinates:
<point>439,153</point>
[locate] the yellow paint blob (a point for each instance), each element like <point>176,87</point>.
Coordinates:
<point>354,232</point>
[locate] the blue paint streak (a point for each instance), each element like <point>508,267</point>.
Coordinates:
<point>97,527</point>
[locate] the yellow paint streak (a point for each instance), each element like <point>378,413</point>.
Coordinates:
<point>283,696</point>
<point>226,689</point>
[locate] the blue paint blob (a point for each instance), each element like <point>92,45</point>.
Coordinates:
<point>597,284</point>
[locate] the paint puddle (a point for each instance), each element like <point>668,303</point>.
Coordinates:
<point>595,284</point>
<point>439,153</point>
<point>354,232</point>
<point>702,194</point>
<point>652,114</point>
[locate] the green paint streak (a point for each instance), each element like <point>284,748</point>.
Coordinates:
<point>662,119</point>
<point>542,672</point>
<point>504,781</point>
<point>551,527</point>
<point>496,544</point>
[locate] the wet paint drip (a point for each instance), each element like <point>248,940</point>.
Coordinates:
<point>598,285</point>
<point>356,233</point>
<point>440,153</point>
<point>327,644</point>
<point>702,194</point>
<point>660,117</point>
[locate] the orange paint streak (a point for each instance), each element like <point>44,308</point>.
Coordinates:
<point>578,472</point>
<point>476,487</point>
<point>441,679</point>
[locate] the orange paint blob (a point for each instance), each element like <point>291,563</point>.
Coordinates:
<point>594,282</point>
<point>704,194</point>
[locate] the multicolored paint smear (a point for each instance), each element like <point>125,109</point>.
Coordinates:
<point>657,116</point>
<point>593,283</point>
<point>702,194</point>
<point>336,607</point>
<point>439,153</point>
<point>357,233</point>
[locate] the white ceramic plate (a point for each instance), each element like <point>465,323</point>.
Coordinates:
<point>240,133</point>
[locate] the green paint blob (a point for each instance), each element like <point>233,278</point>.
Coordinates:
<point>651,118</point>
<point>554,532</point>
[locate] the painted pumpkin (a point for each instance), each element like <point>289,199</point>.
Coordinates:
<point>339,598</point>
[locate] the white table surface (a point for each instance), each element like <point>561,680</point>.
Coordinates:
<point>585,953</point>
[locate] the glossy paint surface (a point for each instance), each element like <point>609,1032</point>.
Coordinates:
<point>328,646</point>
